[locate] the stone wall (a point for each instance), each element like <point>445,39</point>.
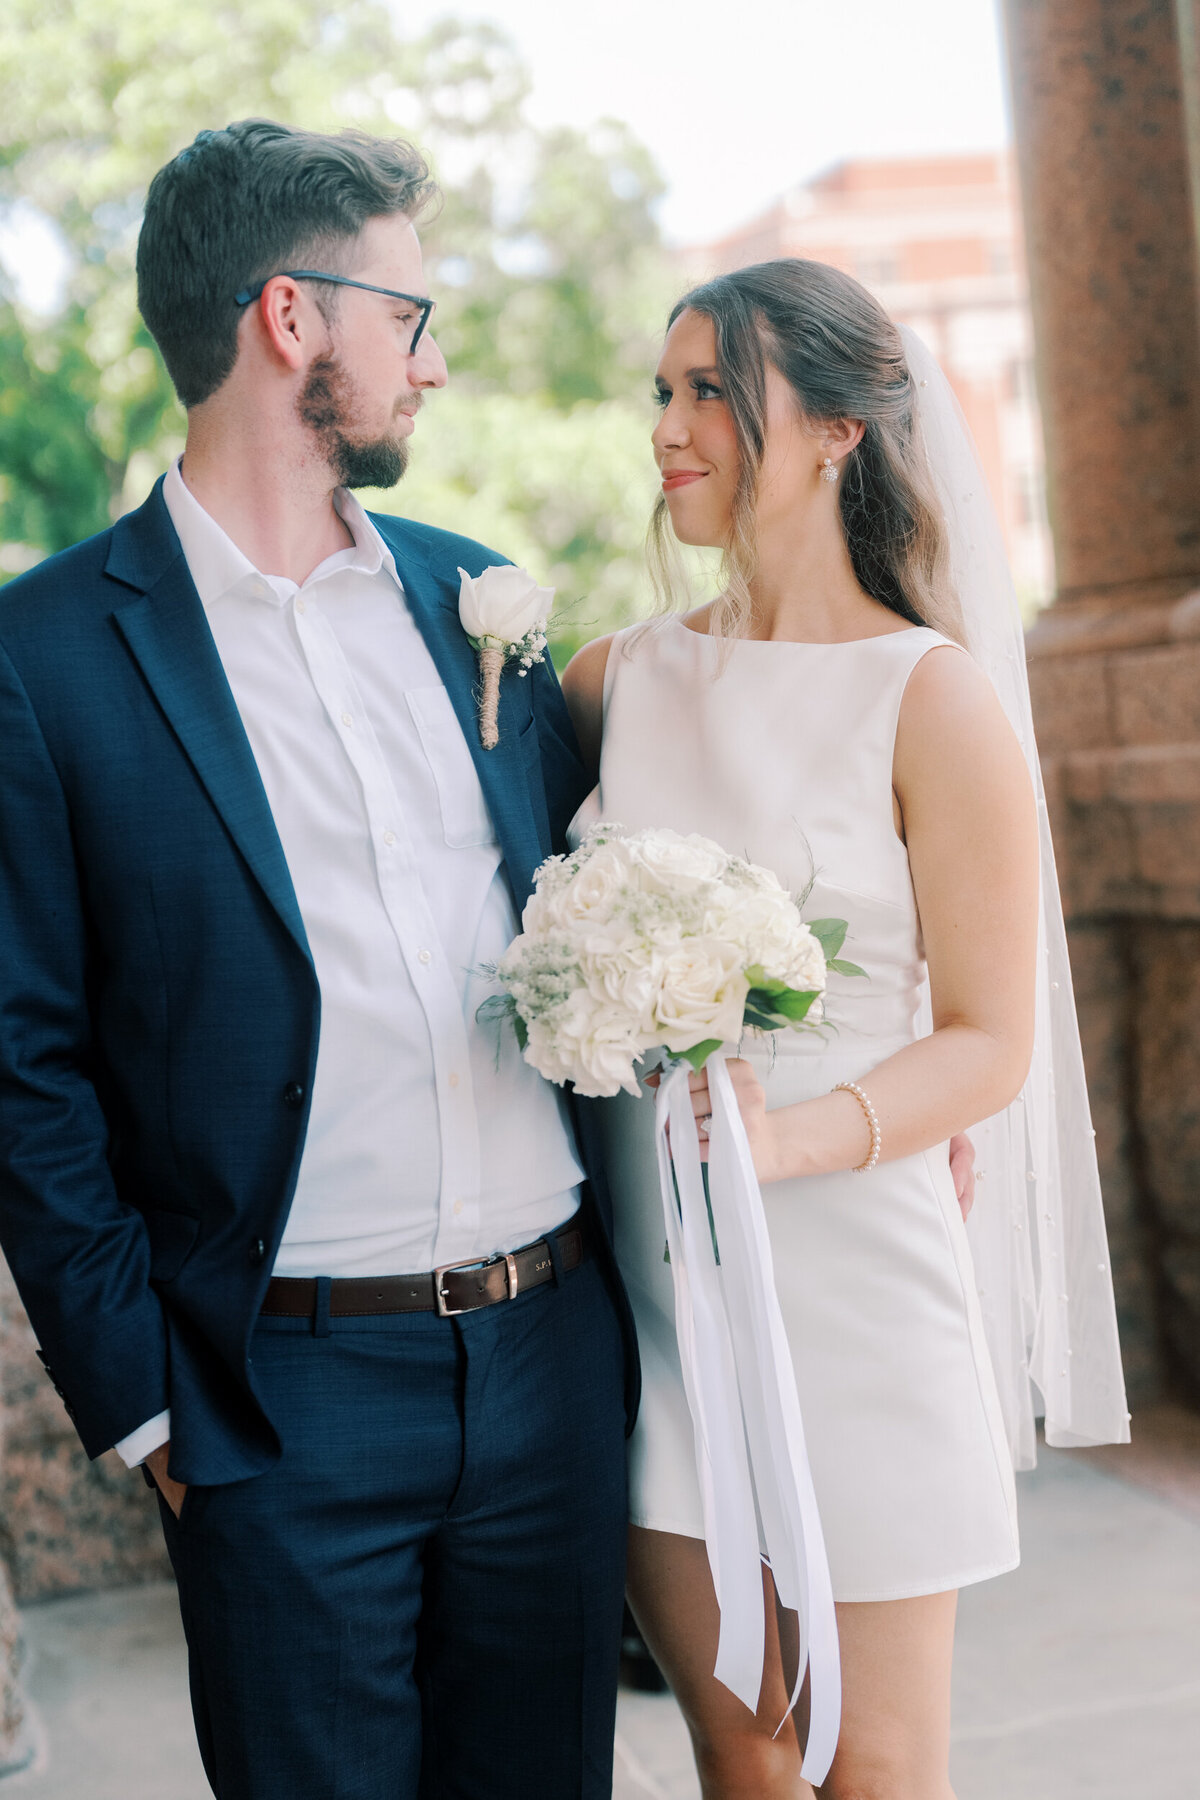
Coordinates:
<point>65,1523</point>
<point>1120,737</point>
<point>1106,98</point>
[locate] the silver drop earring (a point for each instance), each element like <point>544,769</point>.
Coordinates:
<point>829,470</point>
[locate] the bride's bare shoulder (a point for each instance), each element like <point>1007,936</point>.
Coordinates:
<point>583,690</point>
<point>952,730</point>
<point>584,674</point>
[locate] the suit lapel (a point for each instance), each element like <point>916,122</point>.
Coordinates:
<point>168,636</point>
<point>433,601</point>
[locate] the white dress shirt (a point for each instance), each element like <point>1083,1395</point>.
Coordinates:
<point>429,1139</point>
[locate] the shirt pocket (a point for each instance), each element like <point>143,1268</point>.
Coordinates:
<point>465,817</point>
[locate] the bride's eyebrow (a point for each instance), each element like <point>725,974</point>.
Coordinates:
<point>711,369</point>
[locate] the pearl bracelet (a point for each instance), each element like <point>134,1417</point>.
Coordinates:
<point>852,1087</point>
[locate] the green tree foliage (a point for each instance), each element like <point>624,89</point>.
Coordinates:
<point>551,280</point>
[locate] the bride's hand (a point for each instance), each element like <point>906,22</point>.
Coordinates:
<point>752,1104</point>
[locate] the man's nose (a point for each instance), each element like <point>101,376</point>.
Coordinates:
<point>428,365</point>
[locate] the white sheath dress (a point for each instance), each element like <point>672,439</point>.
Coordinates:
<point>784,756</point>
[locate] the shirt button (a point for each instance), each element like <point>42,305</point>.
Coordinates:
<point>453,1079</point>
<point>389,837</point>
<point>346,719</point>
<point>458,1206</point>
<point>300,606</point>
<point>424,956</point>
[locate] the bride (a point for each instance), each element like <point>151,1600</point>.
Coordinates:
<point>825,716</point>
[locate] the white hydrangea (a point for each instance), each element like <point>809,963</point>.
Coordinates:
<point>767,926</point>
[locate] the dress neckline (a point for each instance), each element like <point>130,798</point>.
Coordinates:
<point>798,643</point>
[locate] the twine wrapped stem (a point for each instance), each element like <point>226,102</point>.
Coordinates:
<point>491,664</point>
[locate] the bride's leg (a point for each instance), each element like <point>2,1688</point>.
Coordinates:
<point>896,1662</point>
<point>671,1593</point>
<point>895,1740</point>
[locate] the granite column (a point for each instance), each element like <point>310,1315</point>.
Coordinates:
<point>1102,110</point>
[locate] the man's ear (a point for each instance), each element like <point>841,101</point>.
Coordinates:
<point>287,318</point>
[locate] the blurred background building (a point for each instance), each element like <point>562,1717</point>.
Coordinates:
<point>939,241</point>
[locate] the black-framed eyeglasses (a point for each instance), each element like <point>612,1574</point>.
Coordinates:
<point>248,296</point>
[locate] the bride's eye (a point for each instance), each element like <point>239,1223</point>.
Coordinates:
<point>661,396</point>
<point>706,390</point>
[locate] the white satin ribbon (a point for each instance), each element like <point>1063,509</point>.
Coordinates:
<point>755,1483</point>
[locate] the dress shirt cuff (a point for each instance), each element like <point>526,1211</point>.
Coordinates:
<point>135,1448</point>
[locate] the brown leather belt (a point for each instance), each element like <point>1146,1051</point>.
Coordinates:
<point>453,1288</point>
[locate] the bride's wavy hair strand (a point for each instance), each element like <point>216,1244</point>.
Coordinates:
<point>843,359</point>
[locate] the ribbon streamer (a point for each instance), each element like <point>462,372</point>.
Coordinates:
<point>755,1482</point>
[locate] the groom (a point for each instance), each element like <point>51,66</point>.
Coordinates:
<point>292,1231</point>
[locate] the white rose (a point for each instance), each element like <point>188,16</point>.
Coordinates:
<point>702,993</point>
<point>670,864</point>
<point>587,898</point>
<point>504,603</point>
<point>594,891</point>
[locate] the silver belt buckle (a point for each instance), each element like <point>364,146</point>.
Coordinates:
<point>471,1262</point>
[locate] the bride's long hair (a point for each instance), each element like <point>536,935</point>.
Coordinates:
<point>844,359</point>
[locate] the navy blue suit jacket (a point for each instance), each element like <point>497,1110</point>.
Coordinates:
<point>159,1010</point>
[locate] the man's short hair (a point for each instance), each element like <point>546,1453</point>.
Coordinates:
<point>242,204</point>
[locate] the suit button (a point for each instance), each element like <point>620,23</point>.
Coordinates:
<point>258,1253</point>
<point>293,1096</point>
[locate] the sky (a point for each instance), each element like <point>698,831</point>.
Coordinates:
<point>740,99</point>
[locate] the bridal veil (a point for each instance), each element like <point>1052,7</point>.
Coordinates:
<point>1037,1230</point>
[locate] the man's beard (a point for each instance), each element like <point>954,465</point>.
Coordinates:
<point>326,405</point>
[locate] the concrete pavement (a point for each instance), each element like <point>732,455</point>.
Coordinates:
<point>1077,1678</point>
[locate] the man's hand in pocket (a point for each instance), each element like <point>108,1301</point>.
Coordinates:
<point>171,1491</point>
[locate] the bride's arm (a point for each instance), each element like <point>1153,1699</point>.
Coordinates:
<point>970,825</point>
<point>583,691</point>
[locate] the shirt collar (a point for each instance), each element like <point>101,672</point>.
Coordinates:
<point>218,567</point>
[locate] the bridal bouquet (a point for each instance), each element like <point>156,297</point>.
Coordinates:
<point>650,938</point>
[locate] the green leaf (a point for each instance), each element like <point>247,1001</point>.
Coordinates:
<point>699,1054</point>
<point>840,967</point>
<point>764,1020</point>
<point>521,1029</point>
<point>762,983</point>
<point>496,1006</point>
<point>829,933</point>
<point>794,1005</point>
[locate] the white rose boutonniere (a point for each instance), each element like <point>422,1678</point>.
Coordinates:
<point>504,612</point>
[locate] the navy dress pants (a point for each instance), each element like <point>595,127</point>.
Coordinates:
<point>422,1600</point>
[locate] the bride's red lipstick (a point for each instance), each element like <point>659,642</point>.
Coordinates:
<point>680,478</point>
